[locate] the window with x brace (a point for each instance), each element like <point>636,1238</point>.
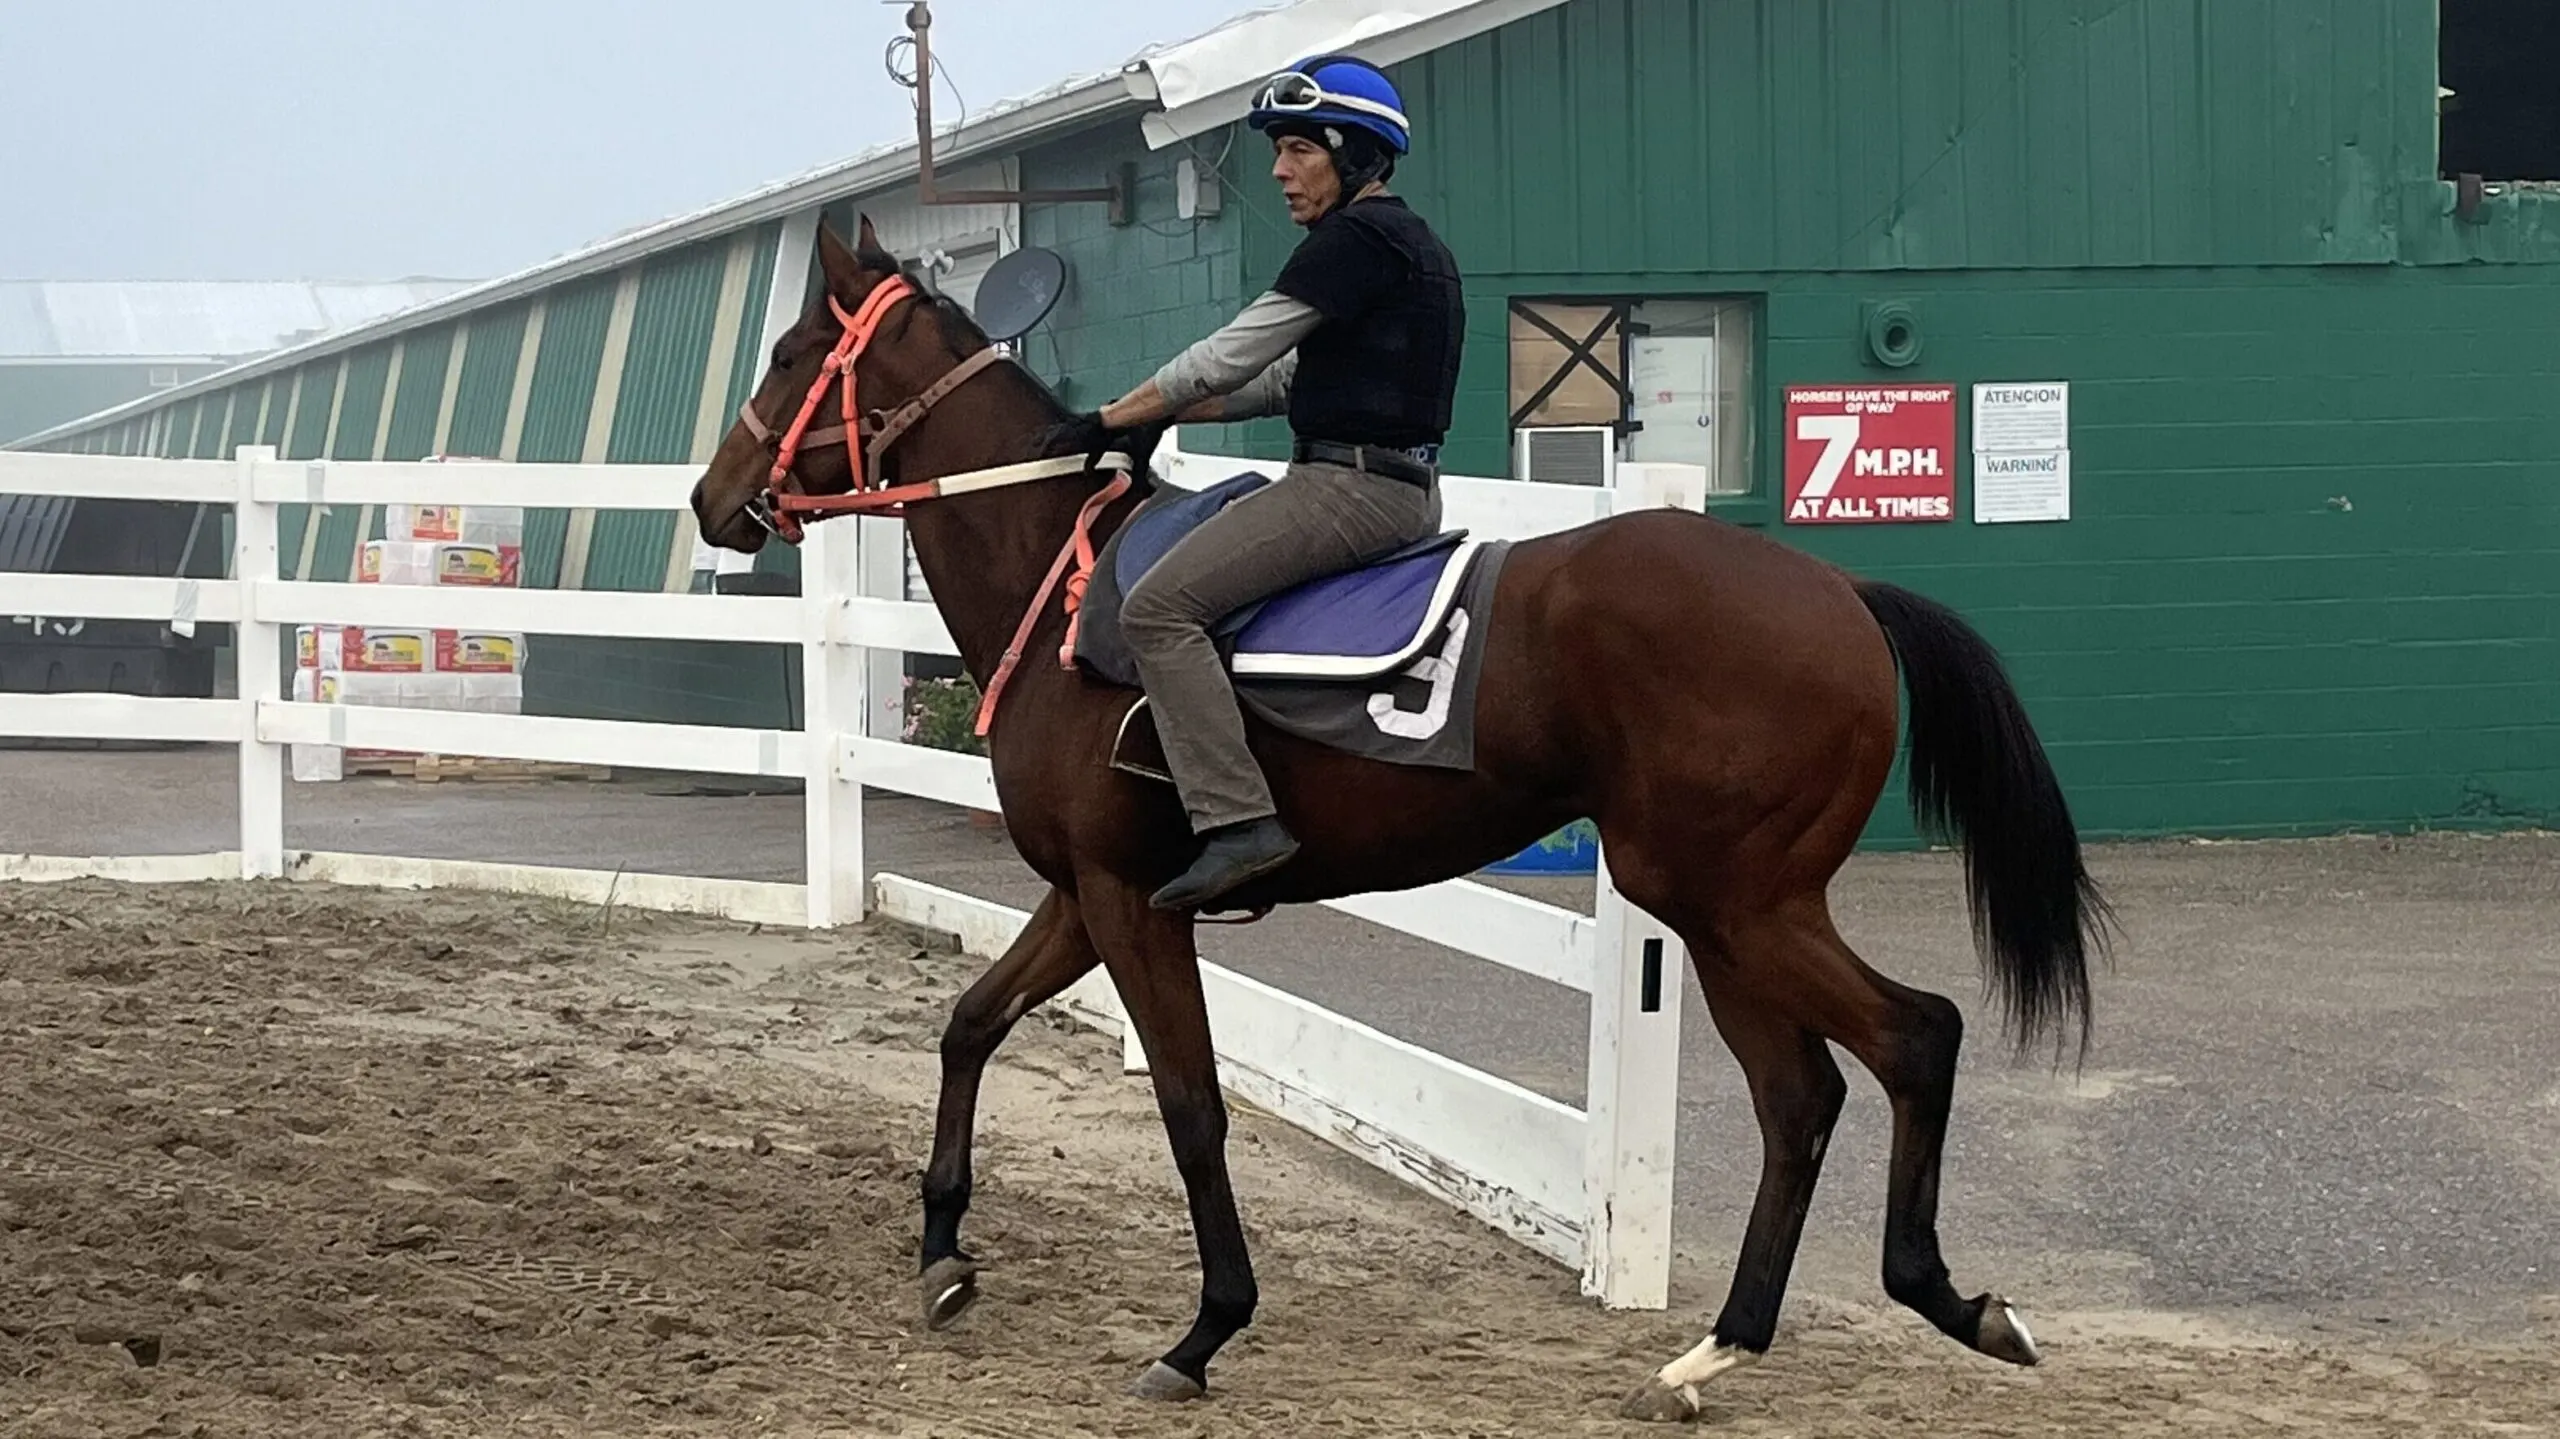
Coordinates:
<point>1568,363</point>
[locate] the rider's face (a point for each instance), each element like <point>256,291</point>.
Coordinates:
<point>1307,180</point>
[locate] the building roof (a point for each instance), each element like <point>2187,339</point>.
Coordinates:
<point>200,320</point>
<point>1195,85</point>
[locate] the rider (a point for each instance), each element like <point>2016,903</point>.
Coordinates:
<point>1357,342</point>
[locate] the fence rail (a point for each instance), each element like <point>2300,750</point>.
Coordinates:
<point>1589,1187</point>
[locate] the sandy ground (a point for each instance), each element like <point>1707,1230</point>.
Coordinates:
<point>293,1161</point>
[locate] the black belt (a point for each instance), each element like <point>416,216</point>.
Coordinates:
<point>1377,460</point>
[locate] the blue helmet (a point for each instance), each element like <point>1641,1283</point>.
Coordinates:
<point>1335,90</point>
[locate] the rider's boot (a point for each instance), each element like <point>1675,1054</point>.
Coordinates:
<point>1235,854</point>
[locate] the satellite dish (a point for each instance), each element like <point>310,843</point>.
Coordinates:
<point>1018,291</point>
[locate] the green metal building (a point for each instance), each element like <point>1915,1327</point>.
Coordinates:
<point>2297,260</point>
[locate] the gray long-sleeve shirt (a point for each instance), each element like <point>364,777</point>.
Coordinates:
<point>1251,360</point>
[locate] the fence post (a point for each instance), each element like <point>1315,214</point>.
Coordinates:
<point>257,662</point>
<point>1633,1105</point>
<point>831,708</point>
<point>1641,977</point>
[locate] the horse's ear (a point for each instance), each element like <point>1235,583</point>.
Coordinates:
<point>843,271</point>
<point>875,257</point>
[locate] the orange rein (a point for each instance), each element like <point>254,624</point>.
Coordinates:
<point>783,502</point>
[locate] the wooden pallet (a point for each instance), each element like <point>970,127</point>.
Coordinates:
<point>437,768</point>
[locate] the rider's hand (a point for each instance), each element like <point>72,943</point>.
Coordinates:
<point>1084,434</point>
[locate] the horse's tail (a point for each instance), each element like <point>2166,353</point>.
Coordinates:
<point>1979,777</point>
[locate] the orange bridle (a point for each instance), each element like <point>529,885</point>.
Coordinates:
<point>783,501</point>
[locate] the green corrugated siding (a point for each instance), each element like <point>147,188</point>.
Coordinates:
<point>215,423</point>
<point>317,385</point>
<point>747,361</point>
<point>243,427</point>
<point>177,435</point>
<point>314,386</point>
<point>556,411</point>
<point>333,547</point>
<point>662,375</point>
<point>420,395</point>
<point>279,401</point>
<point>488,381</point>
<point>360,408</point>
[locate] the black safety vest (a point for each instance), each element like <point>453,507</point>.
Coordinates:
<point>1386,374</point>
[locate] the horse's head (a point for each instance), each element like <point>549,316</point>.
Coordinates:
<point>792,419</point>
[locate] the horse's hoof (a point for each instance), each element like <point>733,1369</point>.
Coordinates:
<point>1660,1403</point>
<point>950,1287</point>
<point>2002,1334</point>
<point>1166,1385</point>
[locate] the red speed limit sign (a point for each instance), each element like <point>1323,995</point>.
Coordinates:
<point>1870,454</point>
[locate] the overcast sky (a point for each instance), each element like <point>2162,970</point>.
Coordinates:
<point>363,139</point>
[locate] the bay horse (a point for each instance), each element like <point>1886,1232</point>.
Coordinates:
<point>1721,705</point>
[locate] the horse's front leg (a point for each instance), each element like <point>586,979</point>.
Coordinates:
<point>1051,953</point>
<point>1156,966</point>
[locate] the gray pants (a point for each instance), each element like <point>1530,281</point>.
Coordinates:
<point>1315,520</point>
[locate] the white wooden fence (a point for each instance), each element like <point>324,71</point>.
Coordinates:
<point>1590,1188</point>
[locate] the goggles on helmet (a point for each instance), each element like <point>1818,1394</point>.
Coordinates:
<point>1293,91</point>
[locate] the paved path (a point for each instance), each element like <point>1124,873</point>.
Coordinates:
<point>2325,1091</point>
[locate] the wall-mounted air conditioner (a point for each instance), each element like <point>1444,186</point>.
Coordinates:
<point>1565,455</point>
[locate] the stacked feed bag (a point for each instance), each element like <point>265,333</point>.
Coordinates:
<point>447,669</point>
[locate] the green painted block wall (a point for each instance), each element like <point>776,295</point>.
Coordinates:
<point>1136,294</point>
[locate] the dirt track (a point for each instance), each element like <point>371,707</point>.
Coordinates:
<point>295,1161</point>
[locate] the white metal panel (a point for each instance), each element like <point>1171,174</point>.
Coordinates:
<point>970,237</point>
<point>909,229</point>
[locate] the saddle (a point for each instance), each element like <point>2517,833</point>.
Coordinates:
<point>1352,625</point>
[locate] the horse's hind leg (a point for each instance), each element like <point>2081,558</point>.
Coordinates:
<point>1777,991</point>
<point>1796,1092</point>
<point>1051,953</point>
<point>1908,1039</point>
